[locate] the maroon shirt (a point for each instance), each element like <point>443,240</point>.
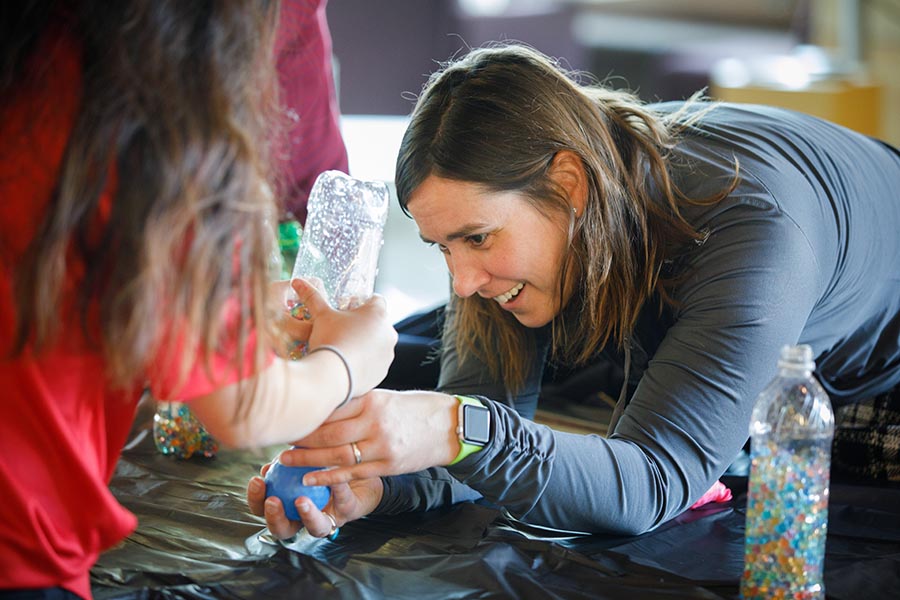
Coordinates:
<point>312,141</point>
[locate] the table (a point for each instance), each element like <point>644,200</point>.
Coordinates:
<point>196,539</point>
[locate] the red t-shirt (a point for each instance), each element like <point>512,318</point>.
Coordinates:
<point>63,427</point>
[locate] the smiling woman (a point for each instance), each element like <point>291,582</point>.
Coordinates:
<point>684,242</point>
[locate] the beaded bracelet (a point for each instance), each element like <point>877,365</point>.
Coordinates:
<point>343,358</point>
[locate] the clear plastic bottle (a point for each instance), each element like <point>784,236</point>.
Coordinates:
<point>343,237</point>
<point>787,499</point>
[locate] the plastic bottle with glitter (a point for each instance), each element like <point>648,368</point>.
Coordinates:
<point>340,245</point>
<point>177,432</point>
<point>343,237</point>
<point>791,429</point>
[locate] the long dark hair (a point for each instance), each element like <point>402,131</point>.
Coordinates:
<point>497,117</point>
<point>173,118</point>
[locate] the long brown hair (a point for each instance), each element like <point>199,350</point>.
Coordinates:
<point>497,117</point>
<point>174,110</point>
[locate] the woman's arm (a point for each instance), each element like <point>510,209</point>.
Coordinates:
<point>289,399</point>
<point>435,487</point>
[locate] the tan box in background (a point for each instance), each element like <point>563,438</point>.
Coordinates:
<point>853,105</point>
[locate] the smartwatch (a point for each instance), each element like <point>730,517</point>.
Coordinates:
<point>473,427</point>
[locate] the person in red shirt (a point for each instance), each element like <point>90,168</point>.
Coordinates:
<point>133,143</point>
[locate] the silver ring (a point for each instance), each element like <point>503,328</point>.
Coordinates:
<point>356,453</point>
<point>334,528</point>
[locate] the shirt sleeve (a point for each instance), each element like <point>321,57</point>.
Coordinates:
<point>224,368</point>
<point>312,141</point>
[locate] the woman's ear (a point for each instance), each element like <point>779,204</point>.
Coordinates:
<point>567,171</point>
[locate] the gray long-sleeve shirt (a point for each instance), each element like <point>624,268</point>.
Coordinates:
<point>805,250</point>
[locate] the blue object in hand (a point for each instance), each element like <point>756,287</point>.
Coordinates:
<point>287,484</point>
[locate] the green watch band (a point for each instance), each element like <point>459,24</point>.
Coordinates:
<point>473,427</point>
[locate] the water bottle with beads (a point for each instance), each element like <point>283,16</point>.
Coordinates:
<point>791,429</point>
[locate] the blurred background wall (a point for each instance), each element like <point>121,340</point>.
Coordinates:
<point>835,58</point>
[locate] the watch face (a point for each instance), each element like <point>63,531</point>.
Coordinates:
<point>477,424</point>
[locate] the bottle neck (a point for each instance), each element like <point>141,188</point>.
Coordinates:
<point>794,371</point>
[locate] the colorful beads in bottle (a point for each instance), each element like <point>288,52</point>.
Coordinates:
<point>177,431</point>
<point>787,498</point>
<point>787,521</point>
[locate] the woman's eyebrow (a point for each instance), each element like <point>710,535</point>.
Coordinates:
<point>459,233</point>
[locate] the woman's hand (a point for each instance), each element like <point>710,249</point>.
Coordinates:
<point>348,503</point>
<point>394,433</point>
<point>364,334</point>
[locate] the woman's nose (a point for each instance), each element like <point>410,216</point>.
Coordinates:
<point>468,276</point>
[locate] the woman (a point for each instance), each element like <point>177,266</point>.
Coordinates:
<point>136,231</point>
<point>691,241</point>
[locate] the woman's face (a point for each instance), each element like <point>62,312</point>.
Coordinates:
<point>496,245</point>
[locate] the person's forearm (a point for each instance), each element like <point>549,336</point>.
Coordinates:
<point>289,400</point>
<point>569,481</point>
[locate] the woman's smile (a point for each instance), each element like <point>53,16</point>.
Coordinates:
<point>510,295</point>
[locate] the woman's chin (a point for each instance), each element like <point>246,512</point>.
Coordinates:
<point>531,320</point>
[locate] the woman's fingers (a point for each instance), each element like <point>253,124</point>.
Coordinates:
<point>277,522</point>
<point>256,494</point>
<point>311,293</point>
<point>384,433</point>
<point>339,475</point>
<point>348,503</point>
<point>337,456</point>
<point>317,523</point>
<point>273,511</point>
<point>270,508</point>
<point>325,447</point>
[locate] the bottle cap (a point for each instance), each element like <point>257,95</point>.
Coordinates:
<point>797,357</point>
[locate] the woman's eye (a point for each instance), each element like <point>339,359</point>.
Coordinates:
<point>477,239</point>
<point>440,247</point>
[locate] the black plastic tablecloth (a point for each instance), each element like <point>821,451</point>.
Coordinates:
<point>196,539</point>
